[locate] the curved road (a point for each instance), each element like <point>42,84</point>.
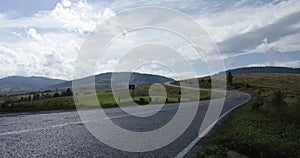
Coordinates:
<point>62,133</point>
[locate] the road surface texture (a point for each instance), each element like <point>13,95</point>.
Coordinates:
<point>62,133</point>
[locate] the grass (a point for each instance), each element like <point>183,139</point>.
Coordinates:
<point>268,125</point>
<point>43,104</point>
<point>105,98</point>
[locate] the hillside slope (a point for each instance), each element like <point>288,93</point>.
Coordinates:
<point>21,83</point>
<point>267,69</point>
<point>103,81</point>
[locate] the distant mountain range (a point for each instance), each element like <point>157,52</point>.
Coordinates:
<point>103,81</point>
<point>20,84</point>
<point>266,69</point>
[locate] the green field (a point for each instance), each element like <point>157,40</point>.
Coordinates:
<point>105,98</point>
<point>268,125</point>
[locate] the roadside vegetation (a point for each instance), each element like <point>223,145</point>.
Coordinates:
<point>46,100</point>
<point>268,125</point>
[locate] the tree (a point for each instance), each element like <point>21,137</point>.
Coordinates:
<point>209,80</point>
<point>34,96</point>
<point>29,97</point>
<point>55,95</point>
<point>229,77</point>
<point>179,96</point>
<point>68,92</point>
<point>37,96</point>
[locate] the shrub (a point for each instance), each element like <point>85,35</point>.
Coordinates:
<point>55,95</point>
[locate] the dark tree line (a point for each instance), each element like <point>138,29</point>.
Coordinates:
<point>68,92</point>
<point>42,95</point>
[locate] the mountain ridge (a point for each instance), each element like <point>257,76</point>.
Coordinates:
<point>103,80</point>
<point>263,69</point>
<point>22,83</point>
<point>12,84</point>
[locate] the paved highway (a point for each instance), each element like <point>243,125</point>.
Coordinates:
<point>62,133</point>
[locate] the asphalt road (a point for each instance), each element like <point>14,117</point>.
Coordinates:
<point>62,133</point>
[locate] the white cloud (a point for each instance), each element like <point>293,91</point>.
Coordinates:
<point>66,3</point>
<point>108,66</point>
<point>47,43</point>
<point>17,34</point>
<point>79,17</point>
<point>157,69</point>
<point>34,34</point>
<point>108,13</point>
<point>242,30</point>
<point>52,50</point>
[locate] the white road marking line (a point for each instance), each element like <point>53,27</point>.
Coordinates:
<point>66,124</point>
<point>201,135</point>
<point>193,143</point>
<point>37,129</point>
<point>21,131</point>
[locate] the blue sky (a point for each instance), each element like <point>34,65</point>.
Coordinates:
<point>42,38</point>
<point>26,8</point>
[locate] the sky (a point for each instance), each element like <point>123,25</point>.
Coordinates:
<point>43,38</point>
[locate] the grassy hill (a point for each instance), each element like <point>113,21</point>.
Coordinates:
<point>265,69</point>
<point>103,81</point>
<point>268,125</point>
